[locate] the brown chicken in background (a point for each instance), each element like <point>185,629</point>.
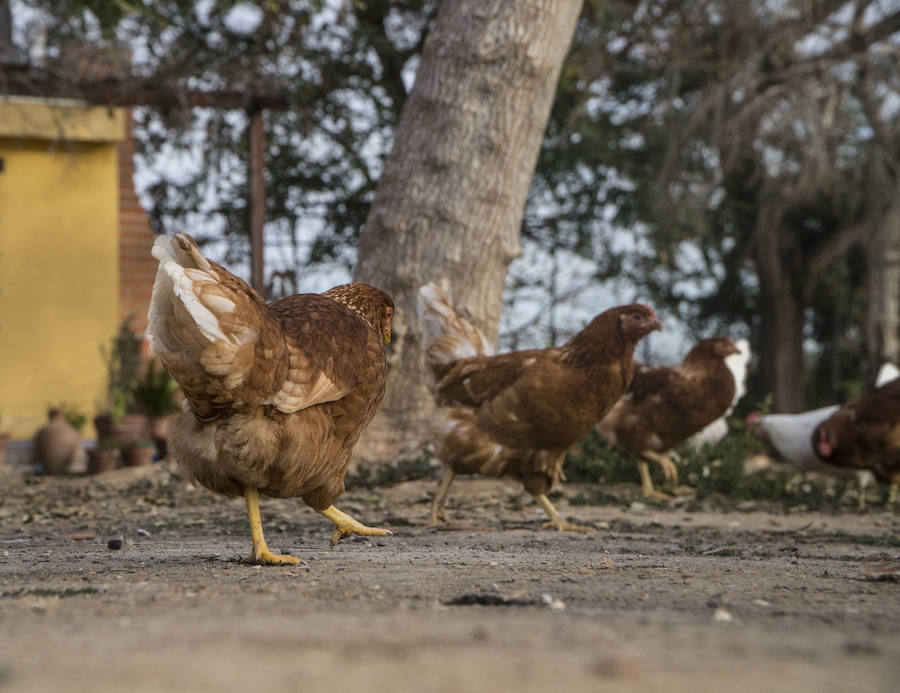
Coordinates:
<point>865,434</point>
<point>276,395</point>
<point>664,406</point>
<point>516,414</point>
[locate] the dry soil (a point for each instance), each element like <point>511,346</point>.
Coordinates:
<point>655,598</point>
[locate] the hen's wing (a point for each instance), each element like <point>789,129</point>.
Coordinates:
<point>326,348</point>
<point>474,381</point>
<point>649,381</point>
<point>228,350</point>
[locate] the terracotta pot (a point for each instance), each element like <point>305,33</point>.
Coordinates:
<point>131,428</point>
<point>101,460</point>
<point>138,455</point>
<point>104,425</point>
<point>56,443</point>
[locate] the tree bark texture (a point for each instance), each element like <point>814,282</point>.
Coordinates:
<point>882,328</point>
<point>782,307</point>
<point>449,204</point>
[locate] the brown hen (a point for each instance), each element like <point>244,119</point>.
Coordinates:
<point>865,434</point>
<point>516,414</point>
<point>664,406</point>
<point>276,395</point>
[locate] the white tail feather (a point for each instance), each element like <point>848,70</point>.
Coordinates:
<point>175,280</point>
<point>447,336</point>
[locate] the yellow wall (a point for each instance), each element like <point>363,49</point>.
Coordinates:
<point>58,260</point>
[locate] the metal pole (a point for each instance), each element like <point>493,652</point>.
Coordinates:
<point>257,201</point>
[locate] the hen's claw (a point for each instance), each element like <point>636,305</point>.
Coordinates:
<point>266,557</point>
<point>344,526</point>
<point>562,526</point>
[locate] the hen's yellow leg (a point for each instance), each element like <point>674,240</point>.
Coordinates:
<point>437,504</point>
<point>892,493</point>
<point>260,553</point>
<point>647,482</point>
<point>555,521</point>
<point>344,525</point>
<point>668,466</point>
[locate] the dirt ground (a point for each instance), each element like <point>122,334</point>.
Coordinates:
<point>654,599</point>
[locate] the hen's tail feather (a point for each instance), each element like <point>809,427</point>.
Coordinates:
<point>447,337</point>
<point>201,319</point>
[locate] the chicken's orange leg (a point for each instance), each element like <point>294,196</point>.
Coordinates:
<point>647,482</point>
<point>555,521</point>
<point>668,466</point>
<point>437,504</point>
<point>260,553</point>
<point>344,525</point>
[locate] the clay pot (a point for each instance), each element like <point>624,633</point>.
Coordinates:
<point>104,425</point>
<point>138,455</point>
<point>101,460</point>
<point>131,428</point>
<point>56,443</point>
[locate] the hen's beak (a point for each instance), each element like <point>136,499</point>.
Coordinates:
<point>387,336</point>
<point>657,325</point>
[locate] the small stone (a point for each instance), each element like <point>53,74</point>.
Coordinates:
<point>143,533</point>
<point>721,615</point>
<point>114,544</point>
<point>552,602</point>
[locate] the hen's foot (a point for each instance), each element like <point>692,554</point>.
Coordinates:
<point>263,556</point>
<point>652,494</point>
<point>344,526</point>
<point>260,553</point>
<point>555,521</point>
<point>437,515</point>
<point>562,526</point>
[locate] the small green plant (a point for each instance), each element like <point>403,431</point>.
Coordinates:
<point>420,467</point>
<point>123,360</point>
<point>716,473</point>
<point>154,393</point>
<point>76,418</point>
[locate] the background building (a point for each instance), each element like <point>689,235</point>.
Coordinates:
<point>74,254</point>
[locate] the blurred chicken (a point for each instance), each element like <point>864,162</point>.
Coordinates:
<point>865,434</point>
<point>718,429</point>
<point>276,395</point>
<point>666,405</point>
<point>516,414</point>
<point>791,436</point>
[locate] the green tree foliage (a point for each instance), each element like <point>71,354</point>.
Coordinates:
<point>690,144</point>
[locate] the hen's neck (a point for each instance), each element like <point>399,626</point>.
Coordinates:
<point>597,344</point>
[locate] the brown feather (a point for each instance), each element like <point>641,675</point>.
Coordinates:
<point>664,406</point>
<point>276,395</point>
<point>865,434</point>
<point>516,414</point>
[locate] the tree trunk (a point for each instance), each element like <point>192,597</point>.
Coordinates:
<point>449,204</point>
<point>882,327</point>
<point>781,307</point>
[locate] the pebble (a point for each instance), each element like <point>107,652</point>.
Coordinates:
<point>552,602</point>
<point>143,533</point>
<point>115,544</point>
<point>721,615</point>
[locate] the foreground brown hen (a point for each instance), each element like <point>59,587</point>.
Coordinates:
<point>516,414</point>
<point>276,395</point>
<point>664,406</point>
<point>865,434</point>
